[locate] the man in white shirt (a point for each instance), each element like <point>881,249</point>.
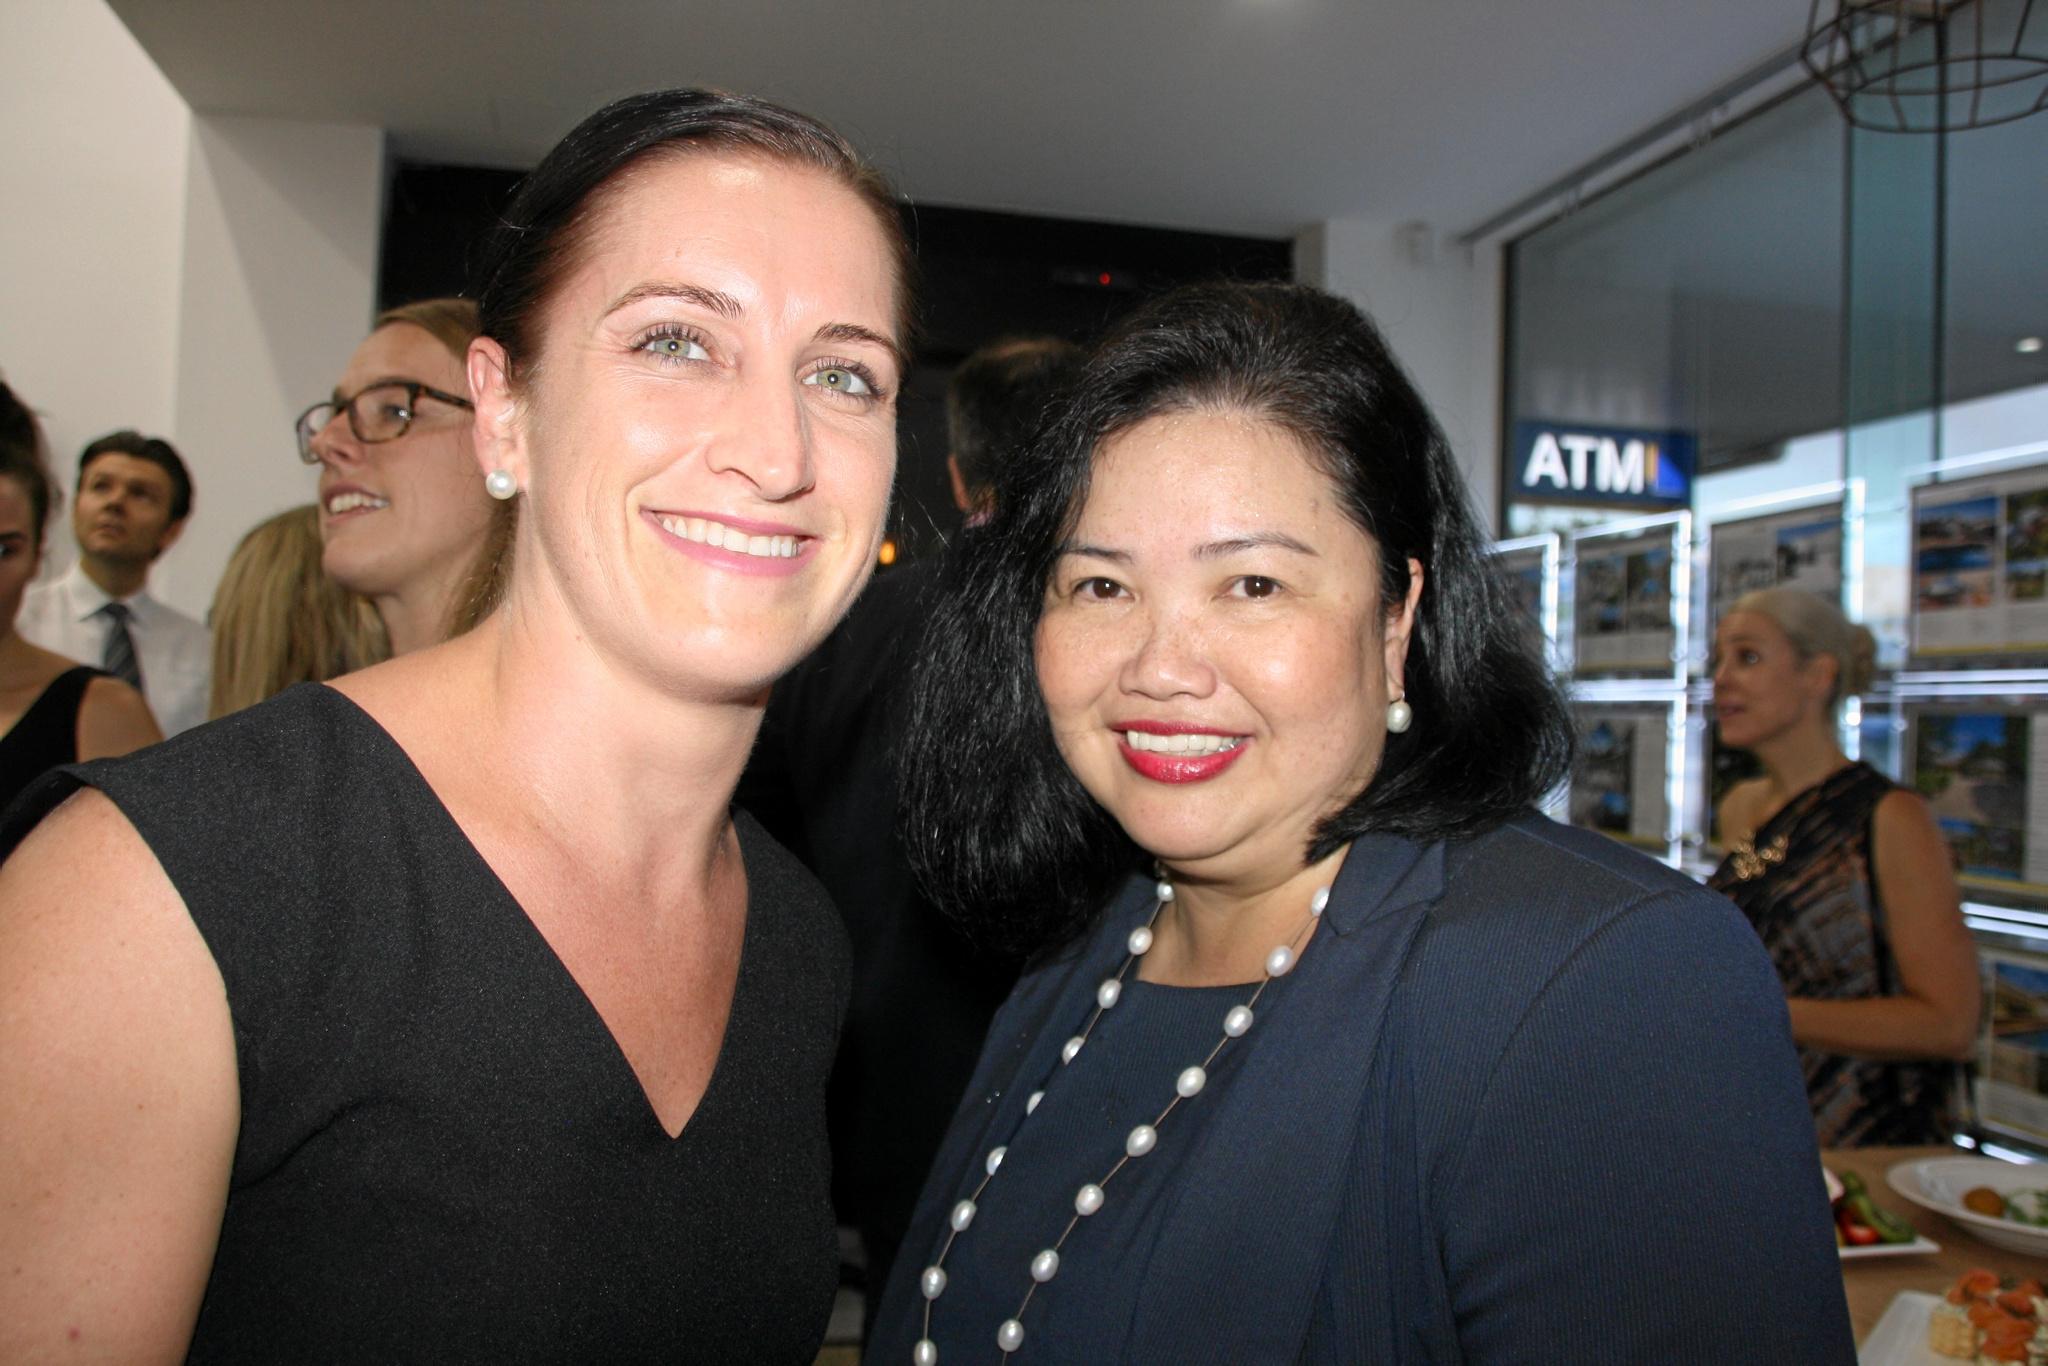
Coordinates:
<point>134,495</point>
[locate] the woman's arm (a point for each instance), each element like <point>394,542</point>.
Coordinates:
<point>118,1097</point>
<point>1640,1180</point>
<point>1934,1014</point>
<point>114,720</point>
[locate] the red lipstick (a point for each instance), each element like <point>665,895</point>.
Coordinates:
<point>1177,768</point>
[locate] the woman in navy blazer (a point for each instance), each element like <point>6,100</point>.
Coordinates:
<point>1333,1049</point>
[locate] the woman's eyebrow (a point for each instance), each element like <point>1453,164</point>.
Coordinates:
<point>1254,540</point>
<point>711,300</point>
<point>854,332</point>
<point>1095,552</point>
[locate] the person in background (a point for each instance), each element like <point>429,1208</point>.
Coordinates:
<point>134,498</point>
<point>994,403</point>
<point>404,520</point>
<point>1845,877</point>
<point>278,619</point>
<point>823,779</point>
<point>407,1017</point>
<point>52,710</point>
<point>1333,1048</point>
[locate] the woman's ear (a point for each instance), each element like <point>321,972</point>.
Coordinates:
<point>1819,674</point>
<point>1400,627</point>
<point>499,435</point>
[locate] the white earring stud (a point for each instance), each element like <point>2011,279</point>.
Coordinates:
<point>500,484</point>
<point>1400,715</point>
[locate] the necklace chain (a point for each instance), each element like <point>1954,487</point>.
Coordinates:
<point>1140,1141</point>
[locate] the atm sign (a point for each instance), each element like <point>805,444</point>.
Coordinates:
<point>1579,464</point>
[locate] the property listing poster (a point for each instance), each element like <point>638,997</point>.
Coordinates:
<point>2012,1054</point>
<point>1980,568</point>
<point>1618,784</point>
<point>1622,616</point>
<point>1984,773</point>
<point>1791,549</point>
<point>1527,570</point>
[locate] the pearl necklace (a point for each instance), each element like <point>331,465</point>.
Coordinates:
<point>1140,1141</point>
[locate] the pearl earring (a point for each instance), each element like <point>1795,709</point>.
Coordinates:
<point>1400,715</point>
<point>500,484</point>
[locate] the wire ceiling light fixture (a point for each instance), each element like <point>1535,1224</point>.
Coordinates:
<point>1930,66</point>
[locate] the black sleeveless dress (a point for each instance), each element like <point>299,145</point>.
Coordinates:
<point>444,1156</point>
<point>46,736</point>
<point>1804,881</point>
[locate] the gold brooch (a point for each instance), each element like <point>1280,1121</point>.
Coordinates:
<point>1747,861</point>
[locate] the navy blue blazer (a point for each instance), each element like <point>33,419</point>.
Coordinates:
<point>1528,1097</point>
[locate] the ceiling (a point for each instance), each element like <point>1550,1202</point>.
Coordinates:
<point>1247,116</point>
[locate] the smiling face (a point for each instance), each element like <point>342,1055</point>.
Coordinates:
<point>394,514</point>
<point>1214,655</point>
<point>707,441</point>
<point>19,552</point>
<point>1762,688</point>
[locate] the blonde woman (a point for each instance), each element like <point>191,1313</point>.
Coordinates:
<point>1844,876</point>
<point>278,619</point>
<point>403,518</point>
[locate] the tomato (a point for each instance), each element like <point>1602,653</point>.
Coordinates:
<point>1859,1235</point>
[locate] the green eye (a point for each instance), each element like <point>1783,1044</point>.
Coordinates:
<point>675,346</point>
<point>840,379</point>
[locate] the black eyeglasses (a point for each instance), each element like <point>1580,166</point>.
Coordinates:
<point>381,412</point>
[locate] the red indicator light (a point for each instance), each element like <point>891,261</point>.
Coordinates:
<point>1103,278</point>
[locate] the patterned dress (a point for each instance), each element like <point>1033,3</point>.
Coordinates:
<point>1804,881</point>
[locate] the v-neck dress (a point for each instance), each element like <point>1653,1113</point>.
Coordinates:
<point>444,1155</point>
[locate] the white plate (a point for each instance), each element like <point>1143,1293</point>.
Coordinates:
<point>1900,1338</point>
<point>1921,1246</point>
<point>1938,1183</point>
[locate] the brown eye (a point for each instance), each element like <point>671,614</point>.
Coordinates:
<point>1258,586</point>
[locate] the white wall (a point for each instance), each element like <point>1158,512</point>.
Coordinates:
<point>278,286</point>
<point>1438,304</point>
<point>198,278</point>
<point>93,158</point>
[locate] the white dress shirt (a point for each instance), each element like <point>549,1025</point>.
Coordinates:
<point>174,652</point>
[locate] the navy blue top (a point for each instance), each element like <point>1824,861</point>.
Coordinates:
<point>1527,1097</point>
<point>1121,1078</point>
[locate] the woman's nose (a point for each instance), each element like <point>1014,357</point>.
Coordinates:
<point>1169,658</point>
<point>335,443</point>
<point>769,441</point>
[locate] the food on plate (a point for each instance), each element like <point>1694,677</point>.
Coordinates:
<point>1984,1200</point>
<point>1986,1318</point>
<point>1859,1222</point>
<point>2029,1206</point>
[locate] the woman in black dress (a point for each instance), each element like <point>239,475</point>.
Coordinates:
<point>52,710</point>
<point>448,1012</point>
<point>1845,878</point>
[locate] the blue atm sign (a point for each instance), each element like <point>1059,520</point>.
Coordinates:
<point>1579,464</point>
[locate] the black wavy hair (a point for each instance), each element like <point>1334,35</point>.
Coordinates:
<point>21,459</point>
<point>999,829</point>
<point>546,225</point>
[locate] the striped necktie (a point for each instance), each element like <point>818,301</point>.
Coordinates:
<point>120,657</point>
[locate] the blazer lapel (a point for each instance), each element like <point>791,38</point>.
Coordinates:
<point>1250,1228</point>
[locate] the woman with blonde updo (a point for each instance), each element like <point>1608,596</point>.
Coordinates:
<point>278,619</point>
<point>1845,877</point>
